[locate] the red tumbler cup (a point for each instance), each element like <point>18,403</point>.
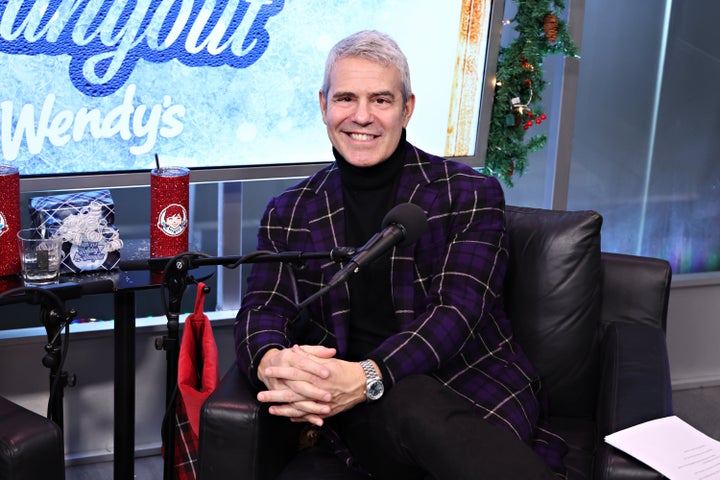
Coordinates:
<point>9,220</point>
<point>169,198</point>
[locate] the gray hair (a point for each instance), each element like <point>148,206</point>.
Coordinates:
<point>374,46</point>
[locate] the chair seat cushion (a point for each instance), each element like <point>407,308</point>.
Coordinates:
<point>581,437</point>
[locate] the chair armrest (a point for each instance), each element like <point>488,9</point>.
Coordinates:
<point>635,289</point>
<point>635,387</point>
<point>238,438</point>
<point>31,446</point>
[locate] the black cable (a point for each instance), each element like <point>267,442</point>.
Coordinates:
<point>55,387</point>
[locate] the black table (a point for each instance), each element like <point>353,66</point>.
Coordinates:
<point>124,377</point>
<point>123,286</point>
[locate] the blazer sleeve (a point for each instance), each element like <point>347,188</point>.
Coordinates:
<point>261,323</point>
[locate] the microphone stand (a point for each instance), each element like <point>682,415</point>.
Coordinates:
<point>175,279</point>
<point>56,352</point>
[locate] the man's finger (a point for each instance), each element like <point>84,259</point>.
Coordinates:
<point>317,350</point>
<point>299,409</point>
<point>293,391</point>
<point>291,374</point>
<point>300,361</point>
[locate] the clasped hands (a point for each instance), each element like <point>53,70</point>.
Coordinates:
<point>308,384</point>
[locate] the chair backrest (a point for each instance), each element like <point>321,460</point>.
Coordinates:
<point>553,299</point>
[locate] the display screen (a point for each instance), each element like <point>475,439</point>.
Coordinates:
<point>106,85</point>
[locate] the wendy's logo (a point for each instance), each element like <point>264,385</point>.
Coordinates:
<point>173,220</point>
<point>3,224</point>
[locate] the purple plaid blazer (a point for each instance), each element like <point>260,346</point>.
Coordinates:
<point>447,290</point>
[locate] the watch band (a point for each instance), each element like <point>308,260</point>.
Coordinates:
<point>373,383</point>
<point>370,373</point>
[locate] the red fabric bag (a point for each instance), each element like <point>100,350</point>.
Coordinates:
<point>198,377</point>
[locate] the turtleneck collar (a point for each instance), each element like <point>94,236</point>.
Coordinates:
<point>368,178</point>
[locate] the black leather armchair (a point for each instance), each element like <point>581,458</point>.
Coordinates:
<point>31,446</point>
<point>593,323</point>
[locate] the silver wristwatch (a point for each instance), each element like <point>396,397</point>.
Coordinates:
<point>374,387</point>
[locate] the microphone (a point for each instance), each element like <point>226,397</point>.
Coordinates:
<point>402,226</point>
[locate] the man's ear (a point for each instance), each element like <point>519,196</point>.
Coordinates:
<point>323,106</point>
<point>409,109</point>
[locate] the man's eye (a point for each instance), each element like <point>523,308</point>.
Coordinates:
<point>383,101</point>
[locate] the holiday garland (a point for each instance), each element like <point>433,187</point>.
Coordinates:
<point>519,84</point>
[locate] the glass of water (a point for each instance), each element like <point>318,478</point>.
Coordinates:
<point>40,256</point>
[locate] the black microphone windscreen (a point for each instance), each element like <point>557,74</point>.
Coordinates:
<point>411,218</point>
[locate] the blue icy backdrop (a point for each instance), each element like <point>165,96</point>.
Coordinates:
<point>78,96</point>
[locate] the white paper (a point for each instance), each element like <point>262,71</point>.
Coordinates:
<point>672,447</point>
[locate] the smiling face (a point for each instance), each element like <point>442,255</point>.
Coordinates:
<point>174,221</point>
<point>364,110</point>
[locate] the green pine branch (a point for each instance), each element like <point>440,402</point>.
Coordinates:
<point>520,83</point>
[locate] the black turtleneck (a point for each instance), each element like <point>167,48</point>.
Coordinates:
<point>368,194</point>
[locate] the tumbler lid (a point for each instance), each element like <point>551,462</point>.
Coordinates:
<point>6,169</point>
<point>170,171</point>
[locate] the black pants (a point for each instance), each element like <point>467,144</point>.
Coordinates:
<point>420,430</point>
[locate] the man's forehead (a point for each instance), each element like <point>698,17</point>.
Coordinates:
<point>366,61</point>
<point>361,71</point>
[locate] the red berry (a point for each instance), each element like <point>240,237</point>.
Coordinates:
<point>538,121</point>
<point>543,116</point>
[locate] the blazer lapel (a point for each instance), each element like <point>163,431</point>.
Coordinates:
<point>326,220</point>
<point>413,187</point>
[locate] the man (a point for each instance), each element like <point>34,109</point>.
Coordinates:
<point>410,367</point>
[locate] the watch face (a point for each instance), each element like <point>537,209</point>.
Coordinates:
<point>375,390</point>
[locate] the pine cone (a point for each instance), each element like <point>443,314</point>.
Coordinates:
<point>550,25</point>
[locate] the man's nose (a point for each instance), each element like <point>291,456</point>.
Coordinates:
<point>363,113</point>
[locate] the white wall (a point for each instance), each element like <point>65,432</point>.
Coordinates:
<point>693,331</point>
